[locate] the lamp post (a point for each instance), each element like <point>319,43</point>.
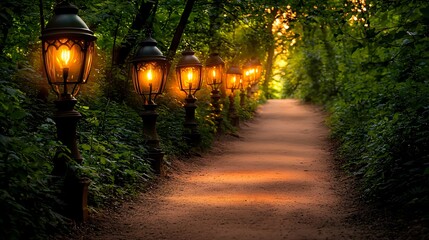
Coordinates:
<point>233,76</point>
<point>256,72</point>
<point>244,82</point>
<point>149,74</point>
<point>214,71</point>
<point>248,77</point>
<point>252,69</point>
<point>258,69</point>
<point>67,50</point>
<point>189,71</point>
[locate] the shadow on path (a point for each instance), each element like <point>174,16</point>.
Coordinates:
<point>274,182</point>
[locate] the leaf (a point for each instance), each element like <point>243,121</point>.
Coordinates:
<point>85,147</point>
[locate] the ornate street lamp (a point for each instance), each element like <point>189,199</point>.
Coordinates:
<point>258,70</point>
<point>67,50</point>
<point>214,72</point>
<point>189,74</point>
<point>244,82</point>
<point>233,76</point>
<point>248,77</point>
<point>253,73</point>
<point>149,74</point>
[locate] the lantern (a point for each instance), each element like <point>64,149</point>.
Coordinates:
<point>257,66</point>
<point>233,78</point>
<point>189,72</point>
<point>248,76</point>
<point>149,71</point>
<point>214,71</point>
<point>67,50</point>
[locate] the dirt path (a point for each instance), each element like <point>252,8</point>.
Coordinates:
<point>274,182</point>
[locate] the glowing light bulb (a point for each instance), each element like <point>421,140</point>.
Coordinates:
<point>190,76</point>
<point>214,73</point>
<point>149,75</point>
<point>65,56</point>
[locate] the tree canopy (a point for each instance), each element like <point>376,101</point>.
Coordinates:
<point>366,62</point>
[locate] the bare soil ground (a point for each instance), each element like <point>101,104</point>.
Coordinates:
<point>277,180</point>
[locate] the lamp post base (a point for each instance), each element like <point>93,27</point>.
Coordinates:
<point>74,189</point>
<point>155,154</point>
<point>156,160</point>
<point>76,198</point>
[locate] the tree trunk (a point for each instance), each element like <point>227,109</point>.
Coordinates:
<point>142,19</point>
<point>268,70</point>
<point>270,57</point>
<point>179,30</point>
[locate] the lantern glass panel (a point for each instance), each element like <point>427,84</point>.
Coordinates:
<point>190,79</point>
<point>232,81</point>
<point>148,79</point>
<point>247,78</point>
<point>67,64</point>
<point>213,76</point>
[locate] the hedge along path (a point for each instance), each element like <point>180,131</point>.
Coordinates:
<point>276,181</point>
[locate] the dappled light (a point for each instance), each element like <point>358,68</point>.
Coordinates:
<point>217,109</point>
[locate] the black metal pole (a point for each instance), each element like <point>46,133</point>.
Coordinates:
<point>75,190</point>
<point>155,154</point>
<point>242,98</point>
<point>233,117</point>
<point>191,135</point>
<point>216,109</point>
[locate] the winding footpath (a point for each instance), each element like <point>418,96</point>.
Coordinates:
<point>276,181</point>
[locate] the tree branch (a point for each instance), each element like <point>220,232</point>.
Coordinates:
<point>179,30</point>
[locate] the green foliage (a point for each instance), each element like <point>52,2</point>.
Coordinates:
<point>373,78</point>
<point>28,200</point>
<point>109,133</point>
<point>113,151</point>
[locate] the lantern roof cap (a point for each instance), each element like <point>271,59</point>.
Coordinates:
<point>214,60</point>
<point>149,52</point>
<point>189,59</point>
<point>65,23</point>
<point>234,69</point>
<point>256,62</point>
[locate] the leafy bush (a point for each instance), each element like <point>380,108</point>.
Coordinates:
<point>372,76</point>
<point>113,151</point>
<point>28,200</point>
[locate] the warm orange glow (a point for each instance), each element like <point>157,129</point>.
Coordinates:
<point>190,75</point>
<point>281,27</point>
<point>214,73</point>
<point>245,179</point>
<point>64,56</point>
<point>149,75</point>
<point>359,9</point>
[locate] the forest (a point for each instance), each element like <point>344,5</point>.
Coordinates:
<point>365,61</point>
